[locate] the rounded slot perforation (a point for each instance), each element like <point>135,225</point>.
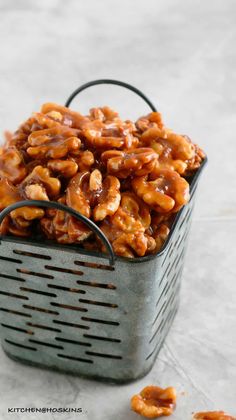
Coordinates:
<point>168,265</point>
<point>104,355</point>
<point>33,273</point>
<point>168,303</point>
<point>12,327</point>
<point>164,306</point>
<point>11,311</point>
<point>161,325</point>
<point>66,289</point>
<point>32,254</point>
<point>38,292</point>
<point>64,270</point>
<point>43,327</point>
<point>162,293</point>
<point>13,343</point>
<point>100,321</point>
<point>97,337</point>
<point>78,343</point>
<point>9,277</point>
<point>172,266</point>
<point>167,255</point>
<point>13,260</point>
<point>45,344</point>
<point>159,343</point>
<point>179,258</point>
<point>95,284</point>
<point>170,283</point>
<point>176,277</point>
<point>171,252</point>
<point>159,312</point>
<point>38,309</point>
<point>13,295</point>
<point>73,308</point>
<point>186,217</point>
<point>96,303</point>
<point>167,319</point>
<point>76,359</point>
<point>71,324</point>
<point>94,265</point>
<point>156,348</point>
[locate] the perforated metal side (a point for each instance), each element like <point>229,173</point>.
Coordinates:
<point>167,300</point>
<point>71,311</point>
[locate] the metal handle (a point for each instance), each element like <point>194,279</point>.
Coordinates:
<point>110,82</point>
<point>72,212</point>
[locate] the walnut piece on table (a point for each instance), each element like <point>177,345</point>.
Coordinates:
<point>213,415</point>
<point>153,402</point>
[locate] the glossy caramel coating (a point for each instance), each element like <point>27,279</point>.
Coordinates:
<point>153,402</point>
<point>129,178</point>
<point>213,415</point>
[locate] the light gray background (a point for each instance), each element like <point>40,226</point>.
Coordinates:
<point>182,54</point>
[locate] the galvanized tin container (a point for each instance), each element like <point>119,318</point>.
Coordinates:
<point>88,313</point>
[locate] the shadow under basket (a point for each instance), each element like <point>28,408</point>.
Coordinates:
<point>90,314</point>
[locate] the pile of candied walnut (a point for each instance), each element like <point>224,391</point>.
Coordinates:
<point>130,178</point>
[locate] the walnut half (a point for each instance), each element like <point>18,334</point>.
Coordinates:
<point>153,402</point>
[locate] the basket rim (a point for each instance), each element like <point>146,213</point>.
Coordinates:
<point>78,249</point>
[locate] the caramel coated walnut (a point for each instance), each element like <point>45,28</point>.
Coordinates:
<point>77,231</point>
<point>213,415</point>
<point>160,235</point>
<point>63,227</point>
<point>69,230</point>
<point>36,192</point>
<point>126,228</point>
<point>53,143</point>
<point>133,244</point>
<point>174,150</point>
<point>95,139</point>
<point>89,194</point>
<point>132,215</point>
<point>8,138</point>
<point>158,219</point>
<point>19,139</point>
<point>9,194</point>
<point>108,199</point>
<point>117,134</point>
<point>12,165</point>
<point>83,158</point>
<point>64,168</point>
<point>95,181</point>
<point>127,244</point>
<point>154,119</point>
<point>180,146</point>
<point>153,402</point>
<point>103,114</point>
<point>4,226</point>
<point>40,177</point>
<point>27,214</point>
<point>64,115</point>
<point>137,162</point>
<point>50,120</point>
<point>11,226</point>
<point>77,193</point>
<point>164,190</point>
<point>194,163</point>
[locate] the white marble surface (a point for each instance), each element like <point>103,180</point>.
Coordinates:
<point>182,54</point>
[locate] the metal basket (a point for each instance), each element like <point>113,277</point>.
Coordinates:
<point>87,313</point>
